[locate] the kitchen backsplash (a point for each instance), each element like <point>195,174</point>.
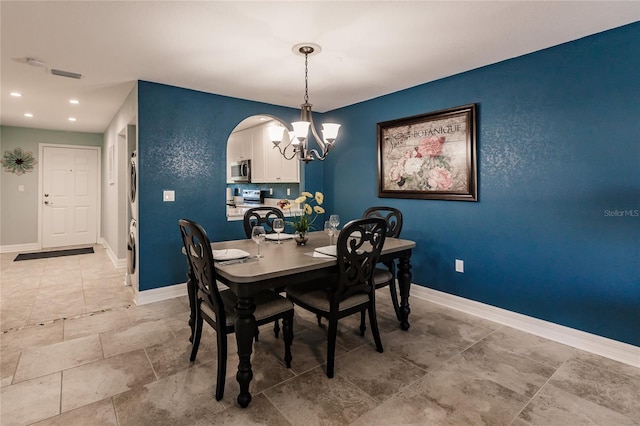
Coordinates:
<point>279,189</point>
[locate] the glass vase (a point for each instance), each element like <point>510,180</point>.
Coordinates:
<point>301,237</point>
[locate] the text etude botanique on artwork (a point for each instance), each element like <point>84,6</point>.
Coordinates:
<point>427,156</point>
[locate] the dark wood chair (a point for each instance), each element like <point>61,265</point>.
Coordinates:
<point>217,307</point>
<point>263,216</point>
<point>385,273</point>
<point>351,290</point>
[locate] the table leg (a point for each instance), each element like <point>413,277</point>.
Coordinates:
<point>404,282</point>
<point>191,291</point>
<point>245,326</point>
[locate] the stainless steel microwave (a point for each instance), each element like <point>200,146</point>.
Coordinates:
<point>241,171</point>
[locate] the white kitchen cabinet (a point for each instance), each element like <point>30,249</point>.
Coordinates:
<point>268,165</point>
<point>279,169</point>
<point>290,170</point>
<point>239,147</point>
<point>257,162</point>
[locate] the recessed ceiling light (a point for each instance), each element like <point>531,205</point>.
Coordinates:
<point>16,94</point>
<point>74,101</point>
<point>35,62</point>
<point>28,114</point>
<point>72,119</point>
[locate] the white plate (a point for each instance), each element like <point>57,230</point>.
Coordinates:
<point>323,256</point>
<point>329,250</point>
<point>229,254</point>
<point>274,237</point>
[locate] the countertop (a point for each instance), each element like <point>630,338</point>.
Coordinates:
<point>238,212</point>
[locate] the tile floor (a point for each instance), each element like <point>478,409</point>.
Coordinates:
<point>76,351</point>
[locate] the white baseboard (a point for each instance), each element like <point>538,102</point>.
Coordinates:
<point>159,294</point>
<point>20,247</point>
<point>117,263</point>
<point>110,253</point>
<point>599,345</point>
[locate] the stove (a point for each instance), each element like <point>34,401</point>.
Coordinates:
<point>252,197</point>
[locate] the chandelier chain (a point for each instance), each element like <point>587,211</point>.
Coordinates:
<point>306,78</point>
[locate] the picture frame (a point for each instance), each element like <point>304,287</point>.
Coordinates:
<point>429,156</point>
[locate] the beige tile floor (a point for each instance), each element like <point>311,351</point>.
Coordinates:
<point>75,351</point>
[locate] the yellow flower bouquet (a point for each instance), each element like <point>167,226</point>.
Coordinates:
<point>304,221</point>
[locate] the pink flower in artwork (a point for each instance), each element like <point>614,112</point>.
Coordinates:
<point>395,174</point>
<point>431,147</point>
<point>440,178</point>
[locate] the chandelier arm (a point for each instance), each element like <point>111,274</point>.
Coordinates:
<point>318,139</point>
<point>314,153</point>
<point>283,152</point>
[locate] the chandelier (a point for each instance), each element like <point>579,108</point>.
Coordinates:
<point>299,136</point>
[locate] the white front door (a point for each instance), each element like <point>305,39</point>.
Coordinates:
<point>70,196</point>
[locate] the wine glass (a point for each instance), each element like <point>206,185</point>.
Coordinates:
<point>330,229</point>
<point>257,235</point>
<point>278,226</point>
<point>335,220</point>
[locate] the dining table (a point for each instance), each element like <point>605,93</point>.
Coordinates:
<point>282,265</point>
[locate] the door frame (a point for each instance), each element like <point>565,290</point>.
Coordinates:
<point>41,147</point>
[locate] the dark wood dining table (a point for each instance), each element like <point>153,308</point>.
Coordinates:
<point>282,265</point>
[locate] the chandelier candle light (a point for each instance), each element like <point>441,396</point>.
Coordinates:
<point>298,137</point>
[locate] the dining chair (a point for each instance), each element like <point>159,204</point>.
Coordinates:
<point>385,273</point>
<point>262,216</point>
<point>351,290</point>
<point>217,307</point>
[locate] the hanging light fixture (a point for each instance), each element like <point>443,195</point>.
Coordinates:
<point>299,136</point>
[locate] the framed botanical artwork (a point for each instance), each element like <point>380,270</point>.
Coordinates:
<point>429,156</point>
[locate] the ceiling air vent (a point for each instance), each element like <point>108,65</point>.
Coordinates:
<point>68,74</point>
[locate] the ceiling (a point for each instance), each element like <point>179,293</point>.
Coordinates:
<point>244,48</point>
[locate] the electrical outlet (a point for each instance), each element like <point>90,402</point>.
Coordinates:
<point>460,266</point>
<point>168,196</point>
<point>270,191</point>
<point>288,191</point>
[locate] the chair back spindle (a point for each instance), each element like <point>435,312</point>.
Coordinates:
<point>391,215</point>
<point>262,216</point>
<point>358,248</point>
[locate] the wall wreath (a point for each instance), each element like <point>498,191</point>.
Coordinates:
<point>18,161</point>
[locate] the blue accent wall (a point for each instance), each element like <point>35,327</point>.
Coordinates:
<point>182,146</point>
<point>556,232</point>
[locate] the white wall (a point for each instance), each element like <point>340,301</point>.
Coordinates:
<point>19,212</point>
<point>115,216</point>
